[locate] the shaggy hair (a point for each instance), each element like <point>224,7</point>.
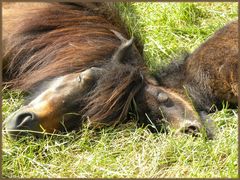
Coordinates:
<point>210,73</point>
<point>57,40</point>
<point>65,38</point>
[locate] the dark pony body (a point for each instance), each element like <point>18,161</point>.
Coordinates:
<point>210,74</point>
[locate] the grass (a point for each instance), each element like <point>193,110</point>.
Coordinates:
<point>167,29</point>
<point>127,151</point>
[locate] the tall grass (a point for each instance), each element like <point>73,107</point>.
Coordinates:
<point>166,29</point>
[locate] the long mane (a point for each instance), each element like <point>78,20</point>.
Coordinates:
<point>108,104</point>
<point>56,40</point>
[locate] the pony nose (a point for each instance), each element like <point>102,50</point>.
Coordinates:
<point>25,120</point>
<point>21,123</point>
<point>192,128</point>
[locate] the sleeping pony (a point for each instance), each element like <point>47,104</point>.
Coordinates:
<point>210,73</point>
<point>76,64</point>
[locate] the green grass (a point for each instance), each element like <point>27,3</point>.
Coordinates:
<point>127,151</point>
<point>167,29</point>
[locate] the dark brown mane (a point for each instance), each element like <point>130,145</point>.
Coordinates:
<point>57,40</point>
<point>109,102</point>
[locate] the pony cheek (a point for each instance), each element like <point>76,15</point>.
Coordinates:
<point>48,116</point>
<point>49,125</point>
<point>49,121</point>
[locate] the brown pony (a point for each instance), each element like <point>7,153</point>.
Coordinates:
<point>75,63</point>
<point>210,73</point>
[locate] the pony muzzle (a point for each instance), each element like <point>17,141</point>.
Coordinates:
<point>22,123</point>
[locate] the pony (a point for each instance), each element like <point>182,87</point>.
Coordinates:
<point>75,64</point>
<point>210,73</point>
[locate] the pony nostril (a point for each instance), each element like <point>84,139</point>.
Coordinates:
<point>21,122</point>
<point>25,120</point>
<point>191,130</point>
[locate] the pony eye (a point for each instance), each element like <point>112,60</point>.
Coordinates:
<point>79,78</point>
<point>162,97</point>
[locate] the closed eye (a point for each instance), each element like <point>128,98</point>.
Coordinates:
<point>162,97</point>
<point>79,78</point>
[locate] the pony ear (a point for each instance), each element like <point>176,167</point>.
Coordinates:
<point>124,49</point>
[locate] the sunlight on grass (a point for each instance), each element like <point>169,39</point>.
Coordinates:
<point>126,151</point>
